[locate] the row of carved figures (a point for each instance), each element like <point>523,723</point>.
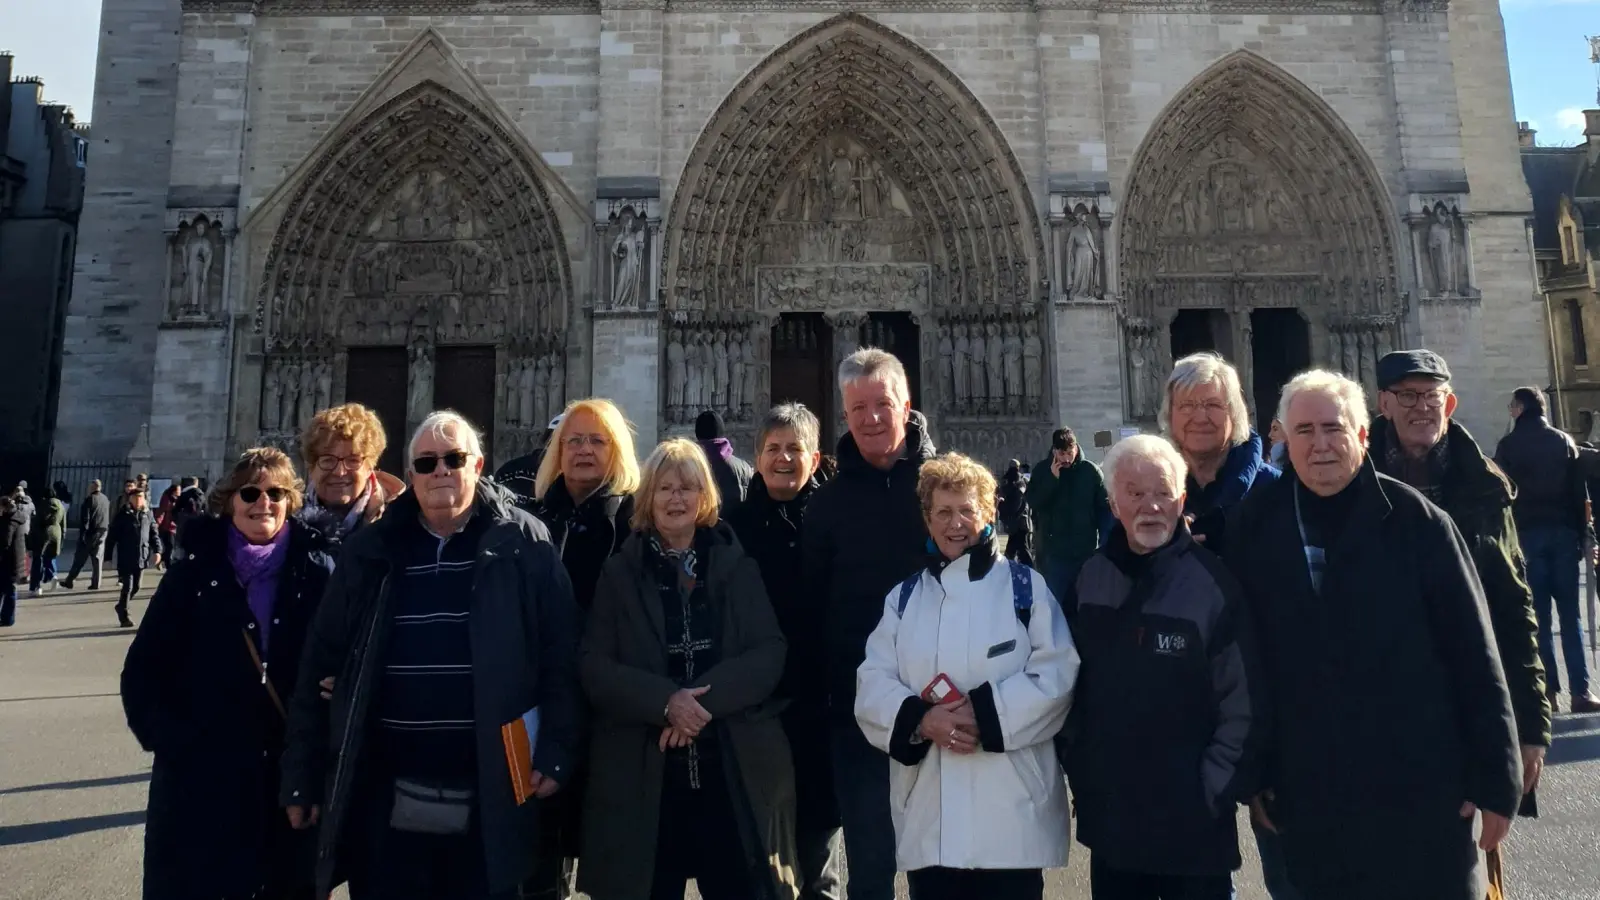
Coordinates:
<point>293,390</point>
<point>535,390</point>
<point>711,367</point>
<point>991,367</point>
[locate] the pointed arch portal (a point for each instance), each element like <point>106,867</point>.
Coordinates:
<point>1254,225</point>
<point>850,191</point>
<point>419,264</point>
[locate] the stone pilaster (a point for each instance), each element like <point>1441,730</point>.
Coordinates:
<point>627,368</point>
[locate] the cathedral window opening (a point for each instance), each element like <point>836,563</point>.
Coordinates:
<point>1580,340</point>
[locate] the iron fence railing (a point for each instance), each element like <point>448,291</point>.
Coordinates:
<point>77,475</point>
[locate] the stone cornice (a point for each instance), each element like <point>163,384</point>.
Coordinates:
<point>504,7</point>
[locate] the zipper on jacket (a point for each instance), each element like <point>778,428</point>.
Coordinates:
<point>355,698</point>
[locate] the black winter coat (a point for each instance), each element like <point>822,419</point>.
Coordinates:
<point>193,696</point>
<point>94,516</point>
<point>1388,702</point>
<point>133,538</point>
<point>585,534</point>
<point>864,534</point>
<point>1542,462</point>
<point>732,474</point>
<point>524,640</point>
<point>14,548</point>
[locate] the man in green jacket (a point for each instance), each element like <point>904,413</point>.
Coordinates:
<point>1070,514</point>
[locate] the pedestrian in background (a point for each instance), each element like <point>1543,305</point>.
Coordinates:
<point>1016,516</point>
<point>1068,497</point>
<point>94,523</point>
<point>13,558</point>
<point>134,540</point>
<point>45,535</point>
<point>732,473</point>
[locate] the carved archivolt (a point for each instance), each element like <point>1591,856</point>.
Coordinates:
<point>1249,192</point>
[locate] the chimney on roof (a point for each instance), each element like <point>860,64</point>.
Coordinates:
<point>1591,124</point>
<point>1525,135</point>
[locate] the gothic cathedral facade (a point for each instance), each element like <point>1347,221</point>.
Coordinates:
<point>501,205</point>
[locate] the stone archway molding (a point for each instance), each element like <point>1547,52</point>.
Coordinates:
<point>1249,191</point>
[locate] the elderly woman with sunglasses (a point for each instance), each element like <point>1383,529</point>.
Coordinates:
<point>341,447</point>
<point>205,688</point>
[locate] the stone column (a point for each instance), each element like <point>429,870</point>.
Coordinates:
<point>627,368</point>
<point>1089,357</point>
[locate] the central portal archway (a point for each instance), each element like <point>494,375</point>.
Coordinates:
<point>851,175</point>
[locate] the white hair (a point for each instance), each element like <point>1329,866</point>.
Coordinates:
<point>1204,368</point>
<point>441,424</point>
<point>1347,393</point>
<point>1144,448</point>
<point>870,362</point>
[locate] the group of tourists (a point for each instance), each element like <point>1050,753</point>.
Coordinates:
<point>617,677</point>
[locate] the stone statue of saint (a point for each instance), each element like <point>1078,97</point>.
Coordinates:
<point>735,374</point>
<point>628,250</point>
<point>510,394</point>
<point>1442,251</point>
<point>558,385</point>
<point>271,394</point>
<point>747,389</point>
<point>1083,259</point>
<point>541,391</point>
<point>324,384</point>
<point>525,391</point>
<point>675,372</point>
<point>980,353</point>
<point>719,370</point>
<point>420,403</point>
<point>994,366</point>
<point>842,185</point>
<point>1137,364</point>
<point>946,359</point>
<point>1013,366</point>
<point>197,256</point>
<point>694,397</point>
<point>1032,363</point>
<point>289,380</point>
<point>960,362</point>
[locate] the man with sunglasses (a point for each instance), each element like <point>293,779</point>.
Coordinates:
<point>1414,440</point>
<point>450,629</point>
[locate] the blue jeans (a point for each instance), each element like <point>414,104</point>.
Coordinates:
<point>1061,576</point>
<point>8,604</point>
<point>861,782</point>
<point>44,569</point>
<point>1553,556</point>
<point>1274,869</point>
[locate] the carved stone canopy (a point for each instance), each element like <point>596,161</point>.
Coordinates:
<point>1440,234</point>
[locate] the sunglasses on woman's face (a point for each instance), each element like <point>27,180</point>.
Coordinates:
<point>250,494</point>
<point>455,459</point>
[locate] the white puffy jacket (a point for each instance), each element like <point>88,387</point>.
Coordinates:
<point>1005,806</point>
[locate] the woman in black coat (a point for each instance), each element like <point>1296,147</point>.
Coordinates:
<point>204,688</point>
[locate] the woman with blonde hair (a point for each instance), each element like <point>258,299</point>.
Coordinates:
<point>967,680</point>
<point>680,660</point>
<point>341,446</point>
<point>205,687</point>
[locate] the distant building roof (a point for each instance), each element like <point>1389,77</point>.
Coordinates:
<point>1552,173</point>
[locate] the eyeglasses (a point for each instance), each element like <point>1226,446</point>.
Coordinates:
<point>1211,407</point>
<point>679,491</point>
<point>576,442</point>
<point>347,463</point>
<point>455,459</point>
<point>250,494</point>
<point>1434,399</point>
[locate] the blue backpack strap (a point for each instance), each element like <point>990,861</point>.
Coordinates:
<point>906,587</point>
<point>1022,592</point>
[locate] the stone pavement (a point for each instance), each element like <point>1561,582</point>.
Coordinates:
<point>73,781</point>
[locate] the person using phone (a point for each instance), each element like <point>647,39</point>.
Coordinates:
<point>967,679</point>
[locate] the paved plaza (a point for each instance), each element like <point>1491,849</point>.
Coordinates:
<point>73,780</point>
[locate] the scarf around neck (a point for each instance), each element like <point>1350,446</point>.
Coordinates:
<point>323,517</point>
<point>256,566</point>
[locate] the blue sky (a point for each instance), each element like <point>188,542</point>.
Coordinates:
<point>1551,75</point>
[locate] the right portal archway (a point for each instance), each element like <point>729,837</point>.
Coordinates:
<point>1250,196</point>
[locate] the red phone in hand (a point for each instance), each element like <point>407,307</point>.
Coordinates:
<point>941,691</point>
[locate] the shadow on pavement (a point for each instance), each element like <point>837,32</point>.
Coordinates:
<point>1577,739</point>
<point>68,635</point>
<point>76,785</point>
<point>62,697</point>
<point>48,831</point>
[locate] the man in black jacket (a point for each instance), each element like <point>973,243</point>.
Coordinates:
<point>1552,514</point>
<point>769,525</point>
<point>864,534</point>
<point>447,621</point>
<point>13,558</point>
<point>1392,727</point>
<point>732,473</point>
<point>94,518</point>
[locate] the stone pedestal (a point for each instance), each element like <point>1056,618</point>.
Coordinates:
<point>189,406</point>
<point>627,369</point>
<point>1454,329</point>
<point>1090,394</point>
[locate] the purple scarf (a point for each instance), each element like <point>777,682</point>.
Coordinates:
<point>256,566</point>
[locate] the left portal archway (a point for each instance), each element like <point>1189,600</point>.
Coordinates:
<point>427,230</point>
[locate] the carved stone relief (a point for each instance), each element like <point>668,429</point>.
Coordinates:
<point>1439,233</point>
<point>987,366</point>
<point>715,363</point>
<point>630,240</point>
<point>1081,250</point>
<point>294,389</point>
<point>197,260</point>
<point>854,286</point>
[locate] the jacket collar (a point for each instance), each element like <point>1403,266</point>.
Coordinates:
<point>206,537</point>
<point>558,500</point>
<point>761,502</point>
<point>1239,470</point>
<point>1469,474</point>
<point>1121,554</point>
<point>1372,502</point>
<point>491,501</point>
<point>977,560</point>
<point>918,448</point>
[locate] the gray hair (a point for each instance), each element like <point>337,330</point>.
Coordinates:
<point>1348,394</point>
<point>1204,368</point>
<point>798,419</point>
<point>441,423</point>
<point>1144,448</point>
<point>870,362</point>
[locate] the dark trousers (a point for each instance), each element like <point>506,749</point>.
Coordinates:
<point>1274,868</point>
<point>8,604</point>
<point>1107,883</point>
<point>44,569</point>
<point>861,783</point>
<point>697,836</point>
<point>88,551</point>
<point>1553,554</point>
<point>168,538</point>
<point>130,586</point>
<point>818,847</point>
<point>1019,545</point>
<point>1061,576</point>
<point>939,883</point>
<point>426,867</point>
